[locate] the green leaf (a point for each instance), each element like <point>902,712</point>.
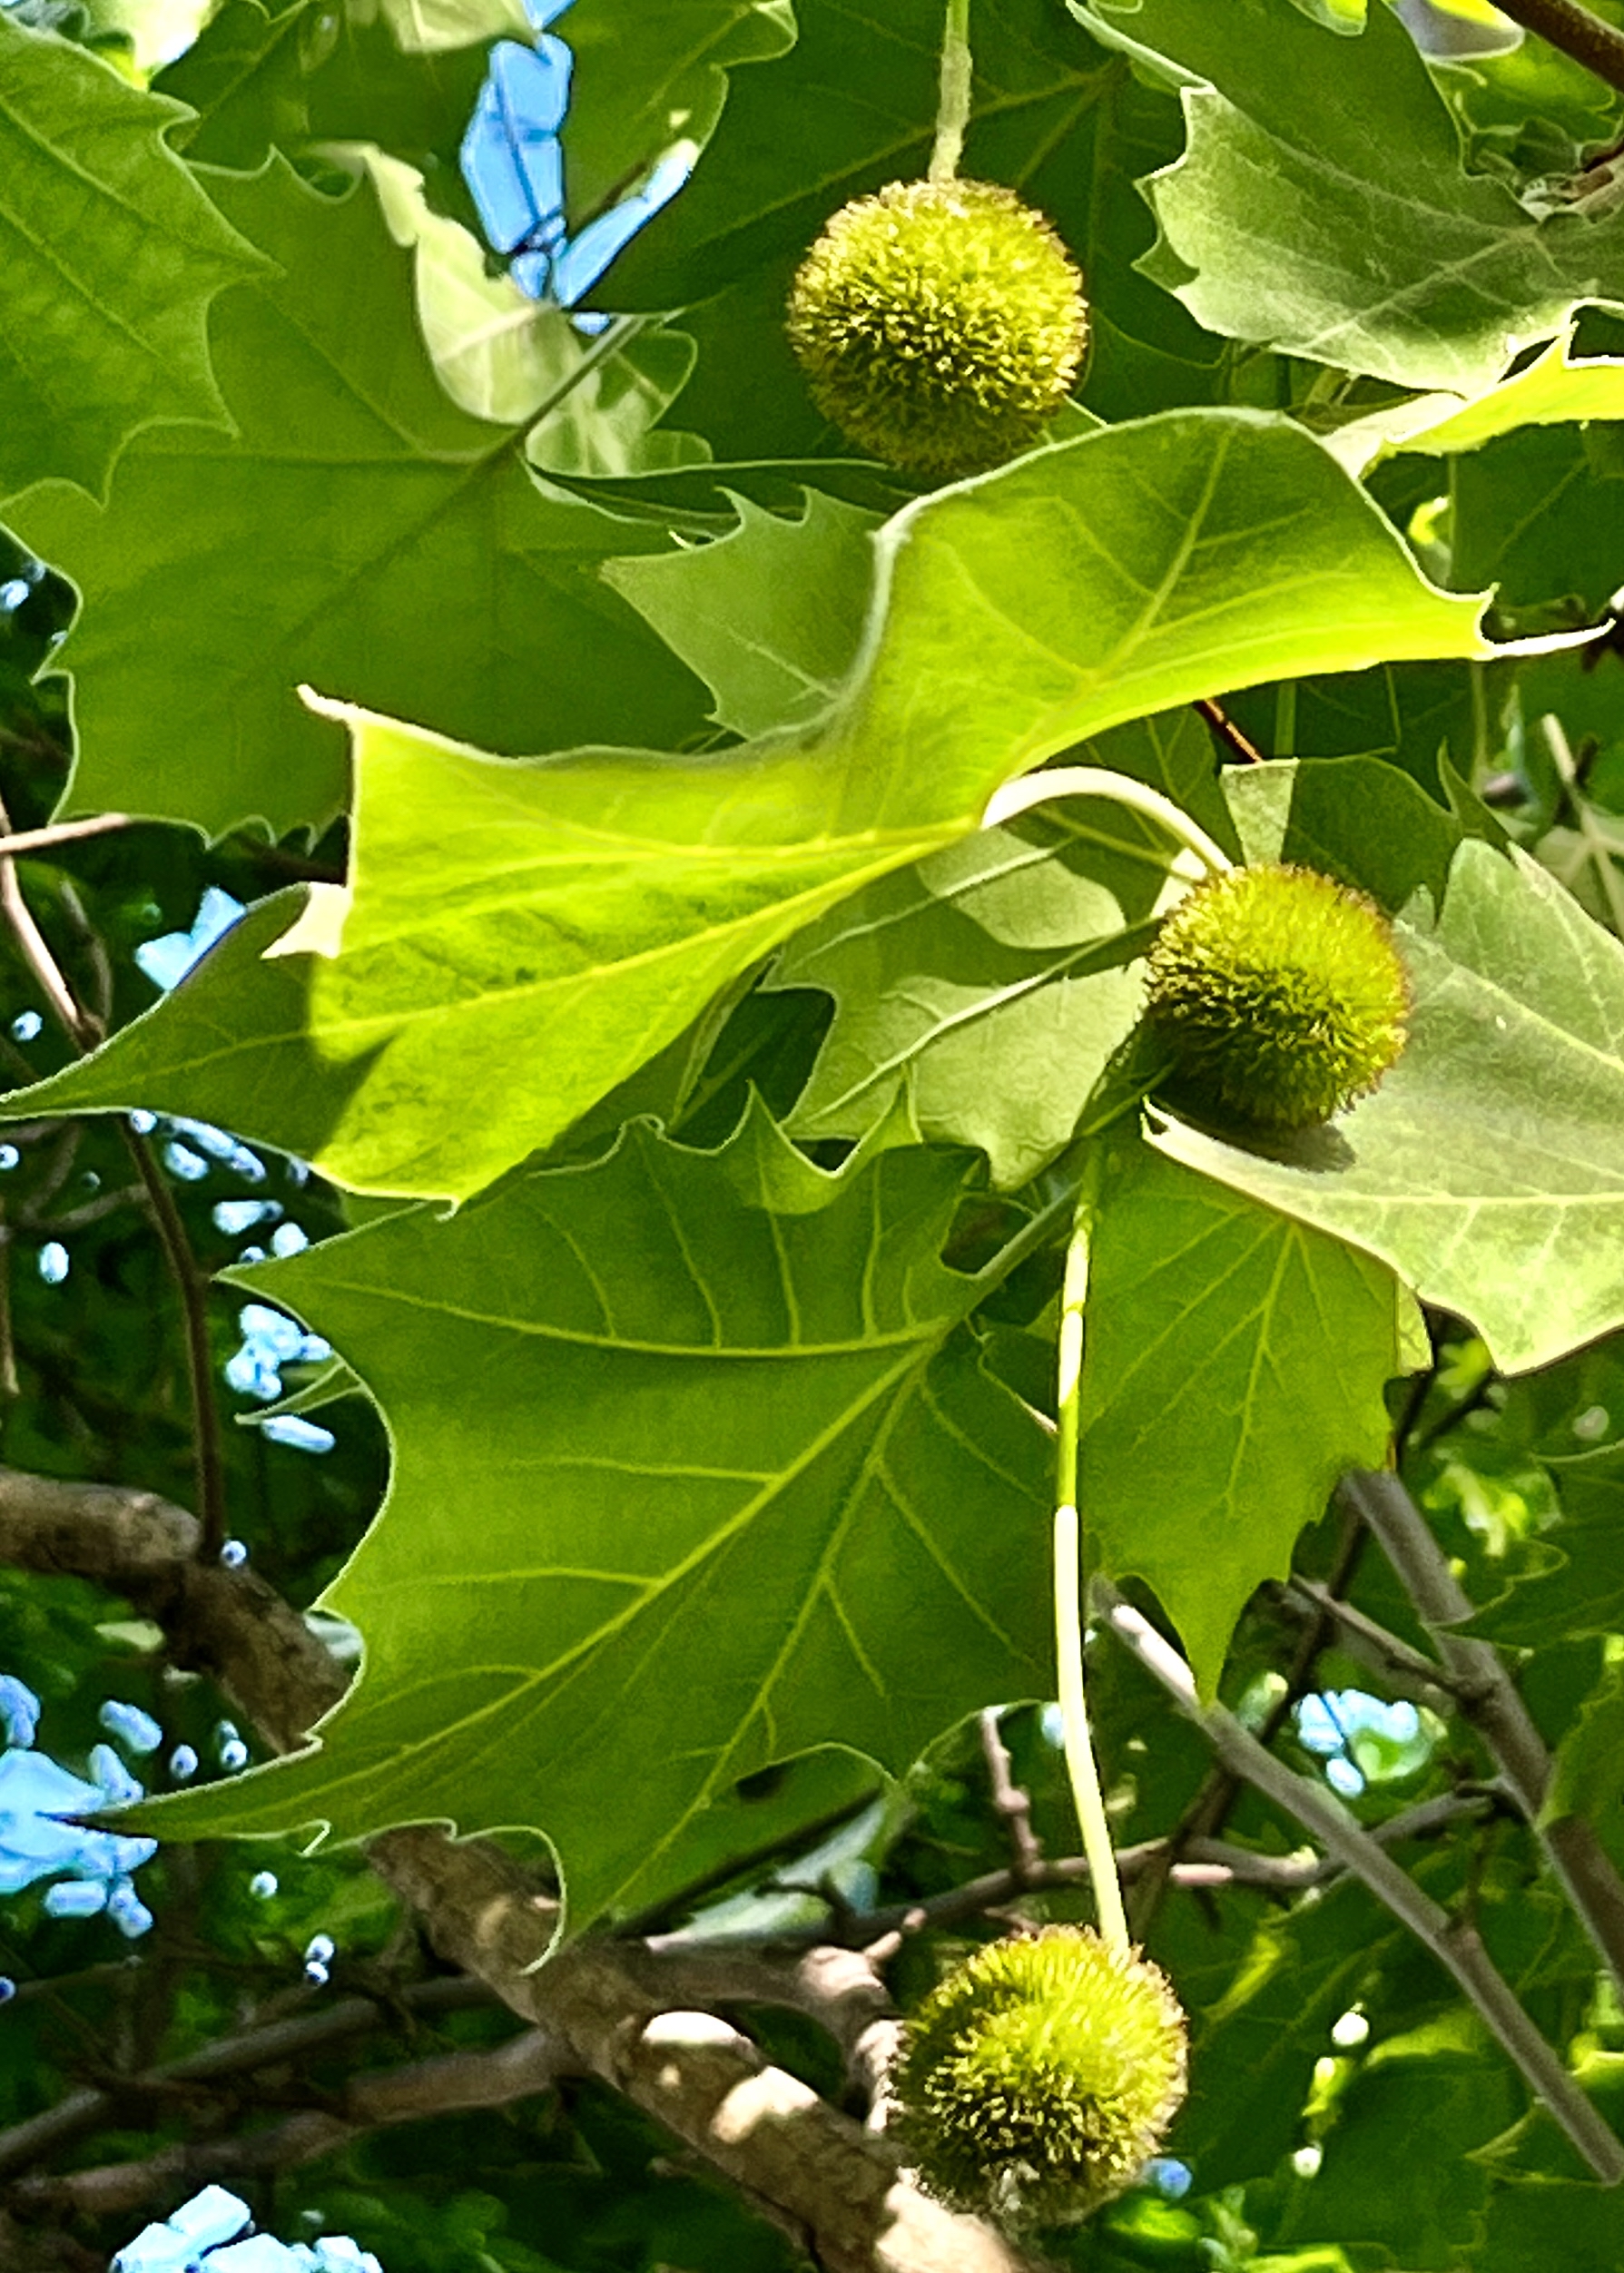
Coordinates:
<point>742,1491</point>
<point>994,982</point>
<point>647,77</point>
<point>1323,204</point>
<point>1487,1170</point>
<point>1588,1776</point>
<point>1523,2218</point>
<point>1262,2010</point>
<point>586,908</point>
<point>423,26</point>
<point>112,254</point>
<point>1420,2210</point>
<point>504,357</point>
<point>360,532</point>
<point>1413,714</point>
<point>1540,514</point>
<point>1554,389</point>
<point>770,615</point>
<point>1578,1586</point>
<point>1234,1367</point>
<point>311,72</point>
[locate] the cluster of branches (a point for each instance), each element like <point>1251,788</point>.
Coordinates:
<point>647,2014</point>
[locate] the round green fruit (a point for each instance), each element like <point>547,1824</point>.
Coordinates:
<point>940,324</point>
<point>1036,2081</point>
<point>1279,995</point>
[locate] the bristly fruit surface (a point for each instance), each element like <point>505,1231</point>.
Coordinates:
<point>940,324</point>
<point>1038,2080</point>
<point>1278,994</point>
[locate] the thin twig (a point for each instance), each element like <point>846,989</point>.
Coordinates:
<point>1489,1700</point>
<point>1010,1800</point>
<point>77,1023</point>
<point>1456,1944</point>
<point>1228,733</point>
<point>192,1288</point>
<point>425,2090</point>
<point>22,840</point>
<point>1596,842</point>
<point>270,2043</point>
<point>10,1386</point>
<point>1208,1812</point>
<point>1565,24</point>
<point>84,1029</point>
<point>1389,1653</point>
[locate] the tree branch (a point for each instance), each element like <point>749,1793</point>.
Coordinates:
<point>1454,1944</point>
<point>1489,1701</point>
<point>810,2167</point>
<point>250,2049</point>
<point>525,2065</point>
<point>1565,24</point>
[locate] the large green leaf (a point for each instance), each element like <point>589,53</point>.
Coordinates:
<point>111,254</point>
<point>1323,204</point>
<point>741,1490</point>
<point>583,910</point>
<point>357,530</point>
<point>994,982</point>
<point>1233,1368</point>
<point>1487,1170</point>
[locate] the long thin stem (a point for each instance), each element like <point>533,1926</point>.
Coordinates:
<point>192,1288</point>
<point>952,110</point>
<point>1118,788</point>
<point>1565,24</point>
<point>1452,1941</point>
<point>1069,1593</point>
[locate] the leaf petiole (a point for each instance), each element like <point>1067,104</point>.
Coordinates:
<point>1067,1562</point>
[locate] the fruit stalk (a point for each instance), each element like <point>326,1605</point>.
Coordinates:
<point>1067,1558</point>
<point>952,108</point>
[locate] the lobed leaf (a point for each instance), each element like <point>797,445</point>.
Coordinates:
<point>112,254</point>
<point>695,1469</point>
<point>1322,203</point>
<point>583,909</point>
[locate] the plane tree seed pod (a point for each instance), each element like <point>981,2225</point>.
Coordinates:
<point>1039,2078</point>
<point>940,324</point>
<point>1279,995</point>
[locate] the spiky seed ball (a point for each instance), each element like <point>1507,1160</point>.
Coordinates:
<point>1036,2081</point>
<point>939,323</point>
<point>1279,994</point>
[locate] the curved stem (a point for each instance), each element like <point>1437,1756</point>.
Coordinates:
<point>1120,789</point>
<point>952,108</point>
<point>1068,1595</point>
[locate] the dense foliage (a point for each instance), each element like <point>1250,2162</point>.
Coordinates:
<point>574,1022</point>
